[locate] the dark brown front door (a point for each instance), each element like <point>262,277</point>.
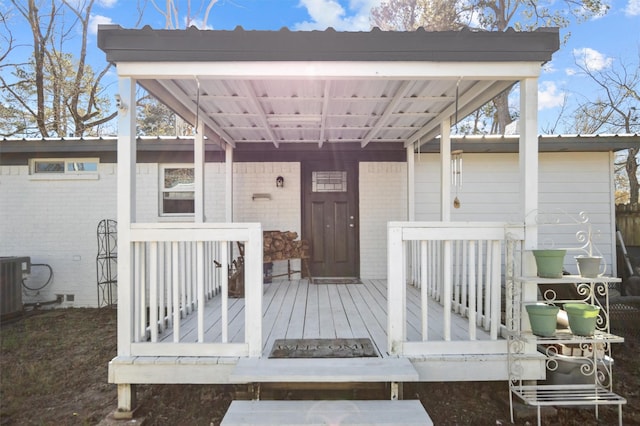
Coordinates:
<point>330,217</point>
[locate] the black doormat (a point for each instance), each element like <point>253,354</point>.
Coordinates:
<point>322,348</point>
<point>336,281</point>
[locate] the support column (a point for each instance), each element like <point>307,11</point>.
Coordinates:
<point>528,160</point>
<point>228,183</point>
<point>411,184</point>
<point>126,215</point>
<point>126,208</point>
<point>198,164</point>
<point>445,171</point>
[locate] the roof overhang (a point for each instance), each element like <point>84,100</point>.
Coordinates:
<point>319,87</point>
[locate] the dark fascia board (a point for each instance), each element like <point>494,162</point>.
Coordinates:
<point>192,44</point>
<point>546,143</point>
<point>180,150</point>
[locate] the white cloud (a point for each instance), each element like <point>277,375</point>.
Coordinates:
<point>549,96</point>
<point>82,4</point>
<point>633,8</point>
<point>107,3</point>
<point>591,59</point>
<point>96,20</point>
<point>332,13</point>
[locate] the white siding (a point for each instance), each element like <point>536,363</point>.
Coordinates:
<point>383,198</point>
<point>569,183</point>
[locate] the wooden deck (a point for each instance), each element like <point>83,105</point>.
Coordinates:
<point>298,310</point>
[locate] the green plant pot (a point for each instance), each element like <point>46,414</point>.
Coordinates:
<point>543,319</point>
<point>549,262</point>
<point>582,318</point>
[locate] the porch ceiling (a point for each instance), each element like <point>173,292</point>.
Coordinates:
<point>324,87</point>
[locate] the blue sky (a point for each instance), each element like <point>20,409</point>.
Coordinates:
<point>599,43</point>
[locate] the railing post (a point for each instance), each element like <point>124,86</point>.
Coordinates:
<point>395,289</point>
<point>253,292</point>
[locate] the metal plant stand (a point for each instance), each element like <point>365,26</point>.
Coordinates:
<point>107,263</point>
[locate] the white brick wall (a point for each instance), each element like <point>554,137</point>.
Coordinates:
<point>281,212</point>
<point>383,198</point>
<point>54,221</point>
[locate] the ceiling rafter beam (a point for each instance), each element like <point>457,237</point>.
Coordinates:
<point>198,112</point>
<point>325,112</point>
<point>493,91</point>
<point>397,97</point>
<point>447,112</point>
<point>262,117</point>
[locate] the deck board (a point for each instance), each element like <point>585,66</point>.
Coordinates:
<point>299,310</point>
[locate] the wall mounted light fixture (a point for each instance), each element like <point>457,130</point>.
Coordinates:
<point>279,182</point>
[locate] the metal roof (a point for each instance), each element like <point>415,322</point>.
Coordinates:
<point>546,143</point>
<point>319,87</point>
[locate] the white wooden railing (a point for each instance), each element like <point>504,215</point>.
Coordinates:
<point>175,271</point>
<point>460,265</point>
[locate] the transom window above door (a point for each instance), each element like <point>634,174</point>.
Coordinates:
<point>329,181</point>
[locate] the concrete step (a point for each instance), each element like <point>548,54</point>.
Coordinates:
<point>324,370</point>
<point>343,413</point>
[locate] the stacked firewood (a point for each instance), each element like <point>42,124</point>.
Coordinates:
<point>282,245</point>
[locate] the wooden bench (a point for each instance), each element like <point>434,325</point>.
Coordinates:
<point>343,413</point>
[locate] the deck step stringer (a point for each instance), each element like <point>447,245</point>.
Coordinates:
<point>325,370</point>
<point>344,413</point>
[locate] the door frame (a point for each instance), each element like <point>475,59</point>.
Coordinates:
<point>353,182</point>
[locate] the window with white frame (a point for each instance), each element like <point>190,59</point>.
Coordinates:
<point>64,166</point>
<point>177,190</point>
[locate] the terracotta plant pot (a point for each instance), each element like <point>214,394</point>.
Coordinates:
<point>582,318</point>
<point>542,318</point>
<point>549,262</point>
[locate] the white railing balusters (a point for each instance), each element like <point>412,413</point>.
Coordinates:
<point>153,290</point>
<point>457,276</point>
<point>224,256</point>
<point>168,248</point>
<point>460,266</point>
<point>424,289</point>
<point>471,311</point>
<point>487,288</point>
<point>174,276</point>
<point>162,291</point>
<point>200,288</point>
<point>176,286</point>
<point>480,283</point>
<point>497,289</point>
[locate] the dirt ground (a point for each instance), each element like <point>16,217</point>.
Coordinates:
<point>53,371</point>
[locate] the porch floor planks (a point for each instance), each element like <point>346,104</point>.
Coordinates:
<point>282,314</point>
<point>373,326</point>
<point>296,309</point>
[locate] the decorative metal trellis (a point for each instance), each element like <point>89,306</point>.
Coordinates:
<point>107,263</point>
